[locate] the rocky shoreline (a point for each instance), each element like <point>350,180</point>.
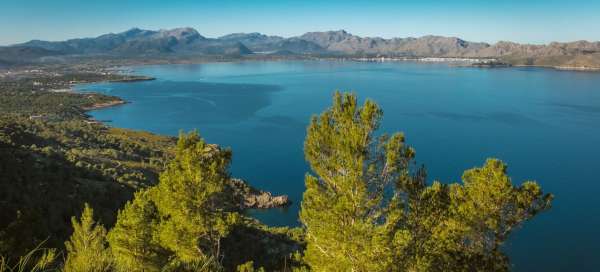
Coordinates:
<point>577,68</point>
<point>133,79</point>
<point>561,68</point>
<point>264,200</point>
<point>248,197</point>
<point>103,105</point>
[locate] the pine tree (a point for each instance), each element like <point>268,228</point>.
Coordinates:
<point>86,249</point>
<point>370,209</point>
<point>461,227</point>
<point>349,223</point>
<point>178,224</point>
<point>133,239</point>
<point>195,211</point>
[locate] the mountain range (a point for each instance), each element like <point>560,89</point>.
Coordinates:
<point>187,41</point>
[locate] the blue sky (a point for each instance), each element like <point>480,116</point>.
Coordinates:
<point>531,21</point>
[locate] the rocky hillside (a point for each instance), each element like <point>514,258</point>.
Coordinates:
<point>138,42</point>
<point>427,46</point>
<point>187,41</point>
<point>579,54</point>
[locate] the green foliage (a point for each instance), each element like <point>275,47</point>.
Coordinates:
<point>349,223</point>
<point>37,260</point>
<point>178,224</point>
<point>461,227</point>
<point>366,207</point>
<point>86,249</point>
<point>369,209</point>
<point>249,267</point>
<point>195,212</point>
<point>51,105</point>
<point>272,248</point>
<point>49,169</point>
<point>133,239</point>
<point>29,95</point>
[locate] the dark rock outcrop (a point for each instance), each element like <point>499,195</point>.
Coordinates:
<point>264,200</point>
<point>249,197</point>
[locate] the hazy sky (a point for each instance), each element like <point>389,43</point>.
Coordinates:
<point>531,21</point>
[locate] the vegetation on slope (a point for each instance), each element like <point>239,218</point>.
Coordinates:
<point>46,94</point>
<point>53,159</point>
<point>45,105</point>
<point>367,207</point>
<point>49,169</point>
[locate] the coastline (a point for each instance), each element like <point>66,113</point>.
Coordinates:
<point>577,68</point>
<point>561,68</point>
<point>104,105</point>
<point>481,62</point>
<point>248,197</point>
<point>108,104</point>
<point>292,192</point>
<point>132,79</point>
<point>474,62</point>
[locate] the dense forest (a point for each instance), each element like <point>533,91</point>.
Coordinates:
<point>76,195</point>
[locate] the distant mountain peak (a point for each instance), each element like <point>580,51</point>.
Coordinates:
<point>180,30</point>
<point>243,35</point>
<point>186,34</point>
<point>327,39</point>
<point>132,32</point>
<point>340,32</point>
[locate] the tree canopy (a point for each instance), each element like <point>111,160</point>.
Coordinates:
<point>87,249</point>
<point>368,207</point>
<point>181,221</point>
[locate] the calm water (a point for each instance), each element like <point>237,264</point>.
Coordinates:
<point>545,124</point>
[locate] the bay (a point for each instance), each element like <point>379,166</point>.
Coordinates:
<point>545,124</point>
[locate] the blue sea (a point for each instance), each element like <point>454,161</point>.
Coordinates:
<point>545,124</point>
